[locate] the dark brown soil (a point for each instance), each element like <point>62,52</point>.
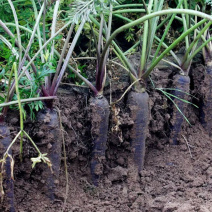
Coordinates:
<point>174,179</point>
<point>206,118</point>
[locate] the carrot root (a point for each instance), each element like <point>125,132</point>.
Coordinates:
<point>100,118</point>
<point>206,110</point>
<point>181,83</point>
<point>9,184</point>
<point>138,104</point>
<point>49,120</point>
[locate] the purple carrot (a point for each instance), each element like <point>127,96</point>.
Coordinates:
<point>5,140</point>
<point>49,122</point>
<point>138,103</point>
<point>182,83</point>
<point>100,117</point>
<point>206,110</point>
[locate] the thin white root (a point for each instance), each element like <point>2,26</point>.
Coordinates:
<point>189,149</point>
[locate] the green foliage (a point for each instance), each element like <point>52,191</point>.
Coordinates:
<point>23,9</point>
<point>29,87</point>
<point>132,1</point>
<point>73,76</point>
<point>130,36</point>
<point>208,2</point>
<point>82,9</point>
<point>7,58</point>
<point>44,70</point>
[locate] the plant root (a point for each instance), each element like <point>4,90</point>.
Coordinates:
<point>5,140</point>
<point>100,119</point>
<point>138,104</point>
<point>49,122</point>
<point>206,112</point>
<point>182,83</point>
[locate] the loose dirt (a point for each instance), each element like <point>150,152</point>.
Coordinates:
<point>174,179</point>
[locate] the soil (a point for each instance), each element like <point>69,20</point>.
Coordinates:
<point>174,179</point>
